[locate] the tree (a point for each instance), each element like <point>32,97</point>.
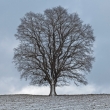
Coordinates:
<point>55,48</point>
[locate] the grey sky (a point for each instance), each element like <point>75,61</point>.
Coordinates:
<point>94,12</point>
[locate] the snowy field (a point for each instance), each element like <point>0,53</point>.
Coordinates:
<point>64,102</point>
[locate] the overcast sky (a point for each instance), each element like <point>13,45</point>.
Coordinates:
<point>93,12</point>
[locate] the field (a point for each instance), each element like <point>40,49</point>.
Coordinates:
<point>64,102</point>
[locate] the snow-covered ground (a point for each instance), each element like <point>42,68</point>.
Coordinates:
<point>64,102</point>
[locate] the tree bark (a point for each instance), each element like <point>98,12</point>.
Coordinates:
<point>52,89</point>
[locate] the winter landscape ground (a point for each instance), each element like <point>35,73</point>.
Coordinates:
<point>64,102</point>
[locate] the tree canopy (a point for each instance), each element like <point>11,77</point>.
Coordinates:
<point>55,47</point>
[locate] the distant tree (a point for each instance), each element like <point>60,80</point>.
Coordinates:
<point>55,48</point>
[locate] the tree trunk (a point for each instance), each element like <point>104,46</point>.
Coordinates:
<point>52,89</point>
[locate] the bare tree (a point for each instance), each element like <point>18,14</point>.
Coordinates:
<point>55,48</point>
